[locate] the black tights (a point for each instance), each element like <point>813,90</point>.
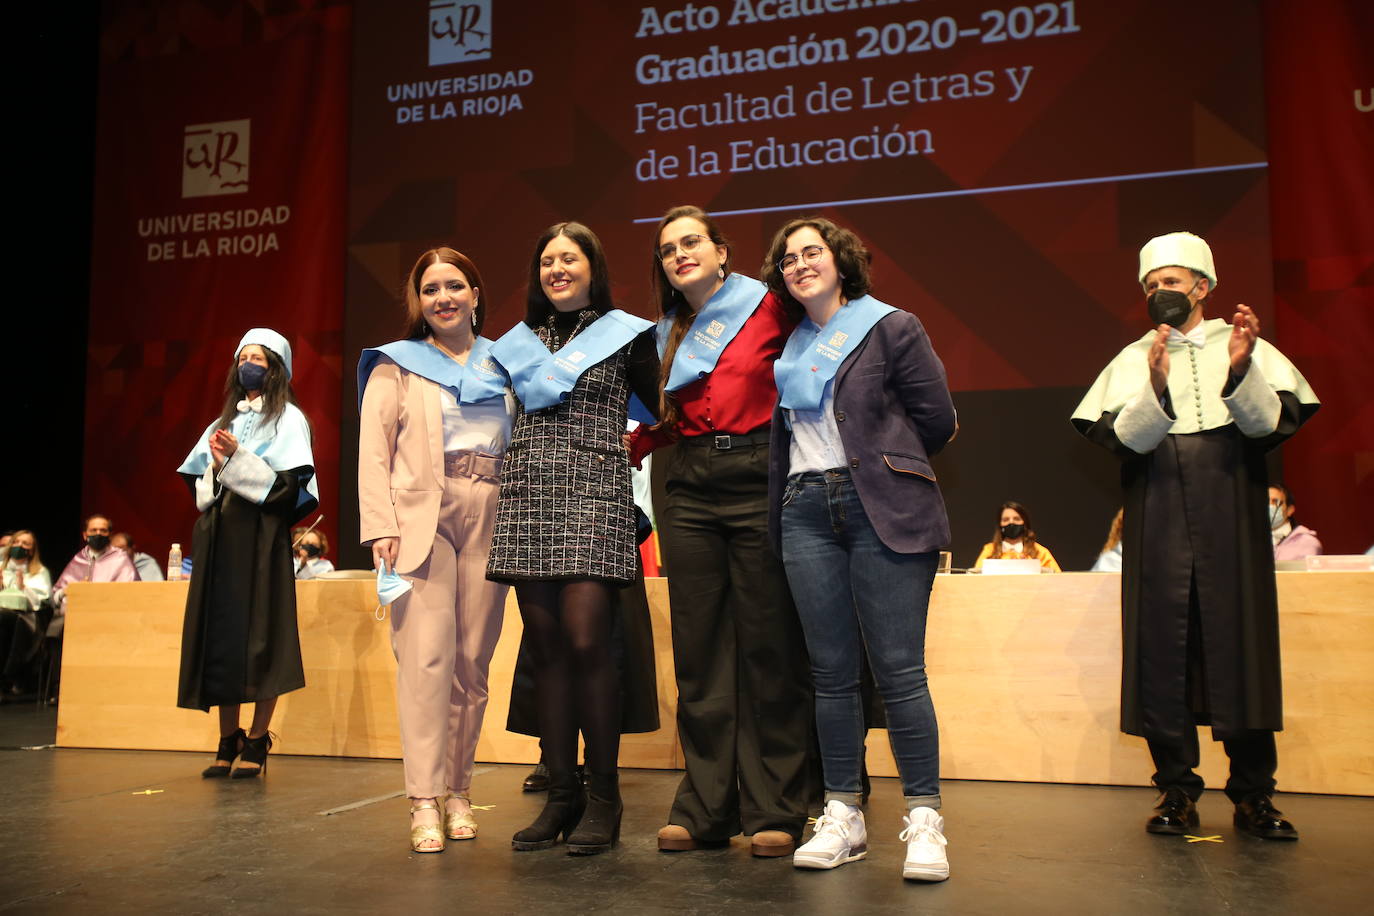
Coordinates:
<point>568,622</point>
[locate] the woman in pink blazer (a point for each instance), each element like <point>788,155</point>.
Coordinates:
<point>436,414</point>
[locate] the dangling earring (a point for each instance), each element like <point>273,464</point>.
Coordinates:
<point>720,273</point>
<point>474,319</point>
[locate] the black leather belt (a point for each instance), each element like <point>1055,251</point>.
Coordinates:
<point>757,437</point>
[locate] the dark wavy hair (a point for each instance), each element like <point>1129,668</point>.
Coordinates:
<point>852,259</point>
<point>671,300</point>
<point>537,305</point>
<point>416,328</point>
<point>276,391</point>
<point>1027,540</point>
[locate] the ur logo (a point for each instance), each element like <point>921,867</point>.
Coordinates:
<point>715,329</point>
<point>214,159</point>
<point>839,339</point>
<point>459,31</point>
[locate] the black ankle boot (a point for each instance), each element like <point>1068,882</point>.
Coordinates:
<point>229,748</point>
<point>599,828</point>
<point>562,811</point>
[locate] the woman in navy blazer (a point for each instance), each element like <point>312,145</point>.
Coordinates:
<point>859,520</point>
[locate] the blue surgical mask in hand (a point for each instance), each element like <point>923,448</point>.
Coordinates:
<point>390,585</point>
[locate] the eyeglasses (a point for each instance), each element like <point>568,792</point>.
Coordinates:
<point>688,244</point>
<point>810,254</point>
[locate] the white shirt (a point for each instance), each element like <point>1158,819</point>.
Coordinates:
<point>483,427</point>
<point>816,444</point>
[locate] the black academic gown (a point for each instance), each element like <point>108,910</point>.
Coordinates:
<point>239,641</point>
<point>1200,631</point>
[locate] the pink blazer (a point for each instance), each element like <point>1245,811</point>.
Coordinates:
<point>400,462</point>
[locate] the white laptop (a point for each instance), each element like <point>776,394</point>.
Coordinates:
<point>1011,567</point>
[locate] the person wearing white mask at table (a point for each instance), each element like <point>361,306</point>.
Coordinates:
<point>1291,541</point>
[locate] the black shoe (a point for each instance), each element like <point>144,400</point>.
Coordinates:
<point>1257,816</point>
<point>254,751</point>
<point>1175,814</point>
<point>538,780</point>
<point>599,828</point>
<point>230,747</point>
<point>562,811</point>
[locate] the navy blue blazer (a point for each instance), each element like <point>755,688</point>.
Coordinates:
<point>893,411</point>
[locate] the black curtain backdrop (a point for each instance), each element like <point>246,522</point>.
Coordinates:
<point>45,321</point>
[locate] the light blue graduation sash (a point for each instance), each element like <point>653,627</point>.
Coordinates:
<point>813,355</point>
<point>719,320</point>
<point>542,379</point>
<point>482,378</point>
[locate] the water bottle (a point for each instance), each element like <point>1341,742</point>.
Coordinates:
<point>174,564</point>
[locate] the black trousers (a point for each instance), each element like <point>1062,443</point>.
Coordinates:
<point>745,707</point>
<point>1253,762</point>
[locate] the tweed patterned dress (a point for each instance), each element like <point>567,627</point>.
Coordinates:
<point>566,510</point>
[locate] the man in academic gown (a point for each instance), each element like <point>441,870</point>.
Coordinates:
<point>98,561</point>
<point>1191,408</point>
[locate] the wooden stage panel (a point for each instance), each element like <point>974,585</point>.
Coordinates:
<point>1024,670</point>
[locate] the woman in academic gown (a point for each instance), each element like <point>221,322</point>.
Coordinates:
<point>565,521</point>
<point>744,692</point>
<point>435,422</point>
<point>253,475</point>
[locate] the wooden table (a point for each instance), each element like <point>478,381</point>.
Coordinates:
<point>1025,672</point>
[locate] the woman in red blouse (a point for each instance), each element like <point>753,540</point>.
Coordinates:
<point>744,690</point>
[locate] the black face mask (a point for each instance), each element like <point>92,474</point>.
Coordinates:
<point>1169,306</point>
<point>98,542</point>
<point>1012,532</point>
<point>312,550</point>
<point>251,376</point>
<point>19,553</point>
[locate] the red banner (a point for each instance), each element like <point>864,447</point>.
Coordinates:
<point>219,206</point>
<point>1321,146</point>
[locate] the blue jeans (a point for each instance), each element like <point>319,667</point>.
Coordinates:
<point>854,593</point>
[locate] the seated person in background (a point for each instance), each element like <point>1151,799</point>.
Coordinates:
<point>23,572</point>
<point>1014,539</point>
<point>96,562</point>
<point>26,585</point>
<point>1291,541</point>
<point>144,565</point>
<point>1109,560</point>
<point>311,547</point>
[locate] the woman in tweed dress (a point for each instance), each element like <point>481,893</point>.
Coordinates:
<point>565,524</point>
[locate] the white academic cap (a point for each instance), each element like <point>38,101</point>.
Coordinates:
<point>1178,249</point>
<point>266,337</point>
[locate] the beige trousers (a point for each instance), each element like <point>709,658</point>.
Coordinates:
<point>444,631</point>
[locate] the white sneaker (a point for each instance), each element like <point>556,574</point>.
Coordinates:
<point>840,837</point>
<point>924,836</point>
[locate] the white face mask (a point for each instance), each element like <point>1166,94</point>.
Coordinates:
<point>1276,516</point>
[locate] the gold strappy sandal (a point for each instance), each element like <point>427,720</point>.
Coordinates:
<point>425,833</point>
<point>457,821</point>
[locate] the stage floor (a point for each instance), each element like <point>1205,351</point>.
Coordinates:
<point>80,832</point>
